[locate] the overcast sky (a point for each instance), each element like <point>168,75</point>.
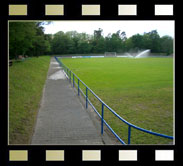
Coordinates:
<point>130,27</point>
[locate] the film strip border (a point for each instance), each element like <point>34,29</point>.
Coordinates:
<point>27,9</point>
<point>125,155</point>
<point>91,9</point>
<point>87,10</point>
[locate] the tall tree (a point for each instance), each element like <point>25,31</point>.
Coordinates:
<point>167,45</point>
<point>98,33</point>
<point>152,41</point>
<point>21,37</point>
<point>27,38</point>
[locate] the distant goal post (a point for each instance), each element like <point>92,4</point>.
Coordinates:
<point>110,54</point>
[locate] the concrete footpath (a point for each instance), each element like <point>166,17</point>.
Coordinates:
<point>62,119</point>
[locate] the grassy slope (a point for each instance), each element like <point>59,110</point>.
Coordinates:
<point>140,90</point>
<point>26,81</point>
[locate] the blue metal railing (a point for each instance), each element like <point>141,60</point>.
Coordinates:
<point>103,105</point>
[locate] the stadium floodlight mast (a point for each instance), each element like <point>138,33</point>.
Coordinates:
<point>110,54</point>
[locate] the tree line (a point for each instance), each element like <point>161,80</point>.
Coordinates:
<point>28,38</point>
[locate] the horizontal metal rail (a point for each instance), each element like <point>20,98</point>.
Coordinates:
<point>130,125</point>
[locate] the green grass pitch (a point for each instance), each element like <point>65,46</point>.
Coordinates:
<point>139,90</point>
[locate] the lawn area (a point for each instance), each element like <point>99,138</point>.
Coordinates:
<point>26,82</point>
<point>139,90</point>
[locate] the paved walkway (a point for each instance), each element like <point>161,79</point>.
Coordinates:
<point>62,119</point>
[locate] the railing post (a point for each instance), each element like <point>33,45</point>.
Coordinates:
<point>86,97</point>
<point>78,86</point>
<point>129,134</point>
<point>102,120</point>
<point>73,80</point>
<point>70,76</point>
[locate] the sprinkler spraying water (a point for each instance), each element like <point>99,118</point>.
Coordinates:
<point>143,54</point>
